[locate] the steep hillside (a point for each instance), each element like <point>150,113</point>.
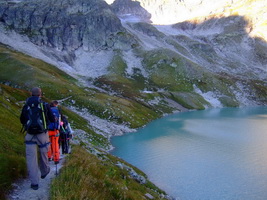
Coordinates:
<point>113,71</point>
<point>227,43</point>
<point>87,24</point>
<point>102,176</point>
<point>12,150</point>
<point>94,115</point>
<point>212,60</point>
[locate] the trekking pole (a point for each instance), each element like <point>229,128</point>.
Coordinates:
<point>22,130</point>
<point>56,170</point>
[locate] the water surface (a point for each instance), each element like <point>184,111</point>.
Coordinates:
<point>203,155</point>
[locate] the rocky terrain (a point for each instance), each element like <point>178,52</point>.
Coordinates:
<point>218,56</point>
<point>65,25</point>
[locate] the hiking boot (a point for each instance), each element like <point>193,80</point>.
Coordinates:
<point>34,187</point>
<point>42,177</point>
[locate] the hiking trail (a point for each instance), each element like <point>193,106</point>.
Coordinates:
<point>23,191</point>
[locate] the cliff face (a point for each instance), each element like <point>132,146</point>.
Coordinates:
<point>66,24</point>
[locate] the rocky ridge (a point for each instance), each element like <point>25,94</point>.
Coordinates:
<point>66,25</point>
<point>218,56</point>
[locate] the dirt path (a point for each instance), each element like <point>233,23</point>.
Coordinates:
<point>23,191</point>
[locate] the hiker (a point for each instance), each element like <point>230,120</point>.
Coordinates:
<point>65,134</point>
<point>35,117</point>
<point>53,132</point>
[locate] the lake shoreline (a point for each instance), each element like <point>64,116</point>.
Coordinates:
<point>197,137</point>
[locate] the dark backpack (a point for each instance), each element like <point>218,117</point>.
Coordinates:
<point>36,123</point>
<point>64,128</point>
<point>55,125</point>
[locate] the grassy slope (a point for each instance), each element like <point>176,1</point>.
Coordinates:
<point>12,150</point>
<point>19,73</point>
<point>169,76</point>
<point>85,175</point>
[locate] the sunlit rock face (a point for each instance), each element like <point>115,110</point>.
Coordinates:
<point>174,11</point>
<point>224,37</point>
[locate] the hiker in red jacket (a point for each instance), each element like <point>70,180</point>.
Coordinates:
<point>53,132</point>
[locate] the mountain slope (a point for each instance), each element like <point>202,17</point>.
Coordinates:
<point>86,24</point>
<point>112,74</point>
<point>12,158</point>
<point>215,58</point>
<point>84,106</point>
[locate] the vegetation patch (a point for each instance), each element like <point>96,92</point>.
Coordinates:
<point>12,150</point>
<point>86,176</point>
<point>190,100</point>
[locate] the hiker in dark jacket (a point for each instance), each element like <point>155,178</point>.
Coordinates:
<point>35,117</point>
<point>65,134</point>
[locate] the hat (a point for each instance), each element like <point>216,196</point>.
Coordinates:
<point>36,91</point>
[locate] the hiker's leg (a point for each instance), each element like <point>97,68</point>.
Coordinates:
<point>53,144</point>
<point>52,135</point>
<point>49,153</point>
<point>43,148</point>
<point>56,149</point>
<point>64,144</point>
<point>32,164</point>
<point>67,144</point>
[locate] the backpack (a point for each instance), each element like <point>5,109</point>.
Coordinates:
<point>36,123</point>
<point>55,125</point>
<point>64,125</point>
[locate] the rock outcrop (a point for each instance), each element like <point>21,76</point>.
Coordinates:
<point>124,8</point>
<point>66,24</point>
<point>219,56</point>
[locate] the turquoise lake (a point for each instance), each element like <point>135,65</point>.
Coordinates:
<point>214,154</point>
